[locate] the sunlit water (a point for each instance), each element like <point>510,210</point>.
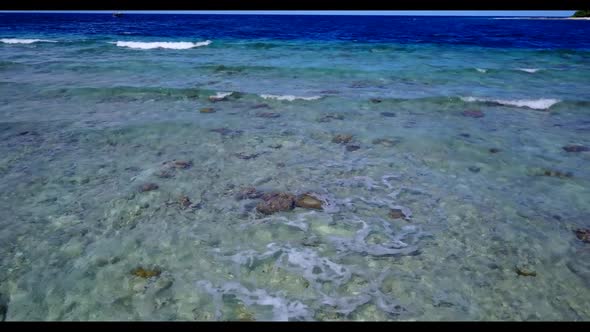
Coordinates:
<point>466,139</point>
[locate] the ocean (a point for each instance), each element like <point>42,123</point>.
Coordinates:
<point>251,167</point>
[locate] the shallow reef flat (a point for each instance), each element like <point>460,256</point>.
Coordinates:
<point>315,175</point>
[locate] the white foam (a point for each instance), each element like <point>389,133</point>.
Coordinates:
<point>529,70</point>
<point>25,41</point>
<point>167,45</point>
<point>222,94</point>
<point>283,309</point>
<point>537,104</point>
<point>481,70</point>
<point>289,97</point>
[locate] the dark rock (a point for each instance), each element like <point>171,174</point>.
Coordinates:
<point>227,132</point>
<point>182,164</point>
<point>473,113</point>
<point>184,202</point>
<point>259,106</point>
<point>308,201</point>
<point>248,193</point>
<point>352,147</point>
<point>525,271</point>
<point>281,165</point>
<point>275,146</point>
<point>207,110</point>
<point>311,241</point>
<point>494,150</point>
<point>165,173</point>
<point>244,156</point>
<point>465,135</point>
<point>330,117</point>
<point>576,148</point>
<point>388,114</point>
<point>474,169</point>
<point>148,187</point>
<point>268,115</point>
<point>146,273</point>
<point>583,234</point>
<point>276,202</point>
<point>557,174</point>
<point>375,100</point>
<point>330,91</point>
<point>396,214</point>
<point>342,139</point>
<point>23,133</point>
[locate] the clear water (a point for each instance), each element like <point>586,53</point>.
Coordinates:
<point>84,122</point>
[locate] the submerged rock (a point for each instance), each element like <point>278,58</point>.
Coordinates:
<point>396,214</point>
<point>375,100</point>
<point>259,106</point>
<point>275,202</point>
<point>207,110</point>
<point>494,150</point>
<point>165,173</point>
<point>227,132</point>
<point>352,147</point>
<point>308,201</point>
<point>474,169</point>
<point>388,114</point>
<point>275,146</point>
<point>525,270</point>
<point>146,273</point>
<point>182,164</point>
<point>268,115</point>
<point>576,148</point>
<point>473,114</point>
<point>148,187</point>
<point>342,139</point>
<point>583,234</point>
<point>330,117</point>
<point>248,193</point>
<point>385,142</point>
<point>184,201</point>
<point>557,174</point>
<point>244,156</point>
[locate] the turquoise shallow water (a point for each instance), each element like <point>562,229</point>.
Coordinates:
<point>486,193</point>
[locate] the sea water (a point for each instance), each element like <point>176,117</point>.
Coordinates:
<point>459,123</point>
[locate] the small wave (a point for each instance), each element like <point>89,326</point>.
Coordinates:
<point>168,45</point>
<point>537,104</point>
<point>529,70</point>
<point>25,41</point>
<point>289,97</point>
<point>481,70</point>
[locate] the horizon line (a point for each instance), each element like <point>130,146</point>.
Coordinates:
<point>469,13</point>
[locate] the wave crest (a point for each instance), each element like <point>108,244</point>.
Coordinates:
<point>537,104</point>
<point>167,45</point>
<point>289,97</point>
<point>25,41</point>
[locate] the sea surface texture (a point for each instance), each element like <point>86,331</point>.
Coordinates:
<point>149,166</point>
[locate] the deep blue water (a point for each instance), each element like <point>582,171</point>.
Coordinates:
<point>477,31</point>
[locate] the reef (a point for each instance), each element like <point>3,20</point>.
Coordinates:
<point>342,139</point>
<point>276,202</point>
<point>308,201</point>
<point>146,273</point>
